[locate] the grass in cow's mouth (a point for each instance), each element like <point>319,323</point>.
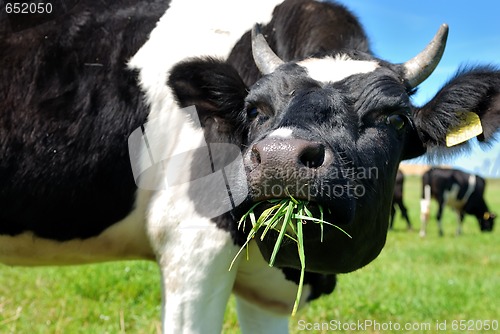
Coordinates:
<point>285,216</point>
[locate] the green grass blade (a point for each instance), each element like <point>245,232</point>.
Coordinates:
<point>286,221</point>
<point>266,213</point>
<point>273,222</point>
<point>307,211</point>
<point>322,220</point>
<point>297,216</point>
<point>237,254</point>
<point>293,199</point>
<point>302,258</point>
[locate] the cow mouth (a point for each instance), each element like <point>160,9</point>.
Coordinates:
<point>279,226</point>
<point>318,224</point>
<point>317,210</point>
<point>487,228</point>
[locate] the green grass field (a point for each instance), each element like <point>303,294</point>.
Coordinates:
<point>430,284</point>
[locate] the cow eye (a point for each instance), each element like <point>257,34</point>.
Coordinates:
<point>397,121</point>
<point>252,113</point>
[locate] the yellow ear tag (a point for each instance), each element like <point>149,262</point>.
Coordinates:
<point>469,127</point>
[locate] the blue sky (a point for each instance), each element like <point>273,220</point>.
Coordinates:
<point>399,29</point>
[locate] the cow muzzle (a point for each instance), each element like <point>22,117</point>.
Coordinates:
<point>278,168</point>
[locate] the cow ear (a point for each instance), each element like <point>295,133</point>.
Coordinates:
<point>467,106</point>
<point>213,87</point>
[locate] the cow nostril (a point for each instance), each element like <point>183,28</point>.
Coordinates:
<point>255,156</point>
<point>313,156</point>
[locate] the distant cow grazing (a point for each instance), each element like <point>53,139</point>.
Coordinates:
<point>397,199</point>
<point>463,192</point>
<point>299,107</point>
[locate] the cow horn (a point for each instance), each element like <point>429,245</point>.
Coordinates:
<point>417,69</point>
<point>265,58</point>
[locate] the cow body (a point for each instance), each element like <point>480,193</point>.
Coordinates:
<point>84,123</point>
<point>463,192</point>
<point>69,105</point>
<point>397,199</point>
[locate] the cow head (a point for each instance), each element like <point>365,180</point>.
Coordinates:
<point>487,221</point>
<point>331,129</point>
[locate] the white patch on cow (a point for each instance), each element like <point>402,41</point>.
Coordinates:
<point>425,209</point>
<point>126,239</point>
<point>334,69</point>
<point>192,28</point>
<point>425,203</point>
<point>194,257</point>
<point>282,133</point>
<point>451,197</point>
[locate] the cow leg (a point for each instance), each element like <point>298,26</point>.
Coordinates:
<point>255,319</point>
<point>265,297</point>
<point>194,257</point>
<point>425,207</point>
<point>393,213</point>
<point>404,213</point>
<point>439,216</point>
<point>423,227</point>
<point>460,221</point>
<point>196,282</point>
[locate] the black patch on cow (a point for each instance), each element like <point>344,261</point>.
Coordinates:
<point>28,18</point>
<point>68,106</point>
<point>218,93</point>
<point>320,284</point>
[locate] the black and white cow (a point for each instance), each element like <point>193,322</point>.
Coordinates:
<point>463,192</point>
<point>320,118</point>
<point>397,199</point>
